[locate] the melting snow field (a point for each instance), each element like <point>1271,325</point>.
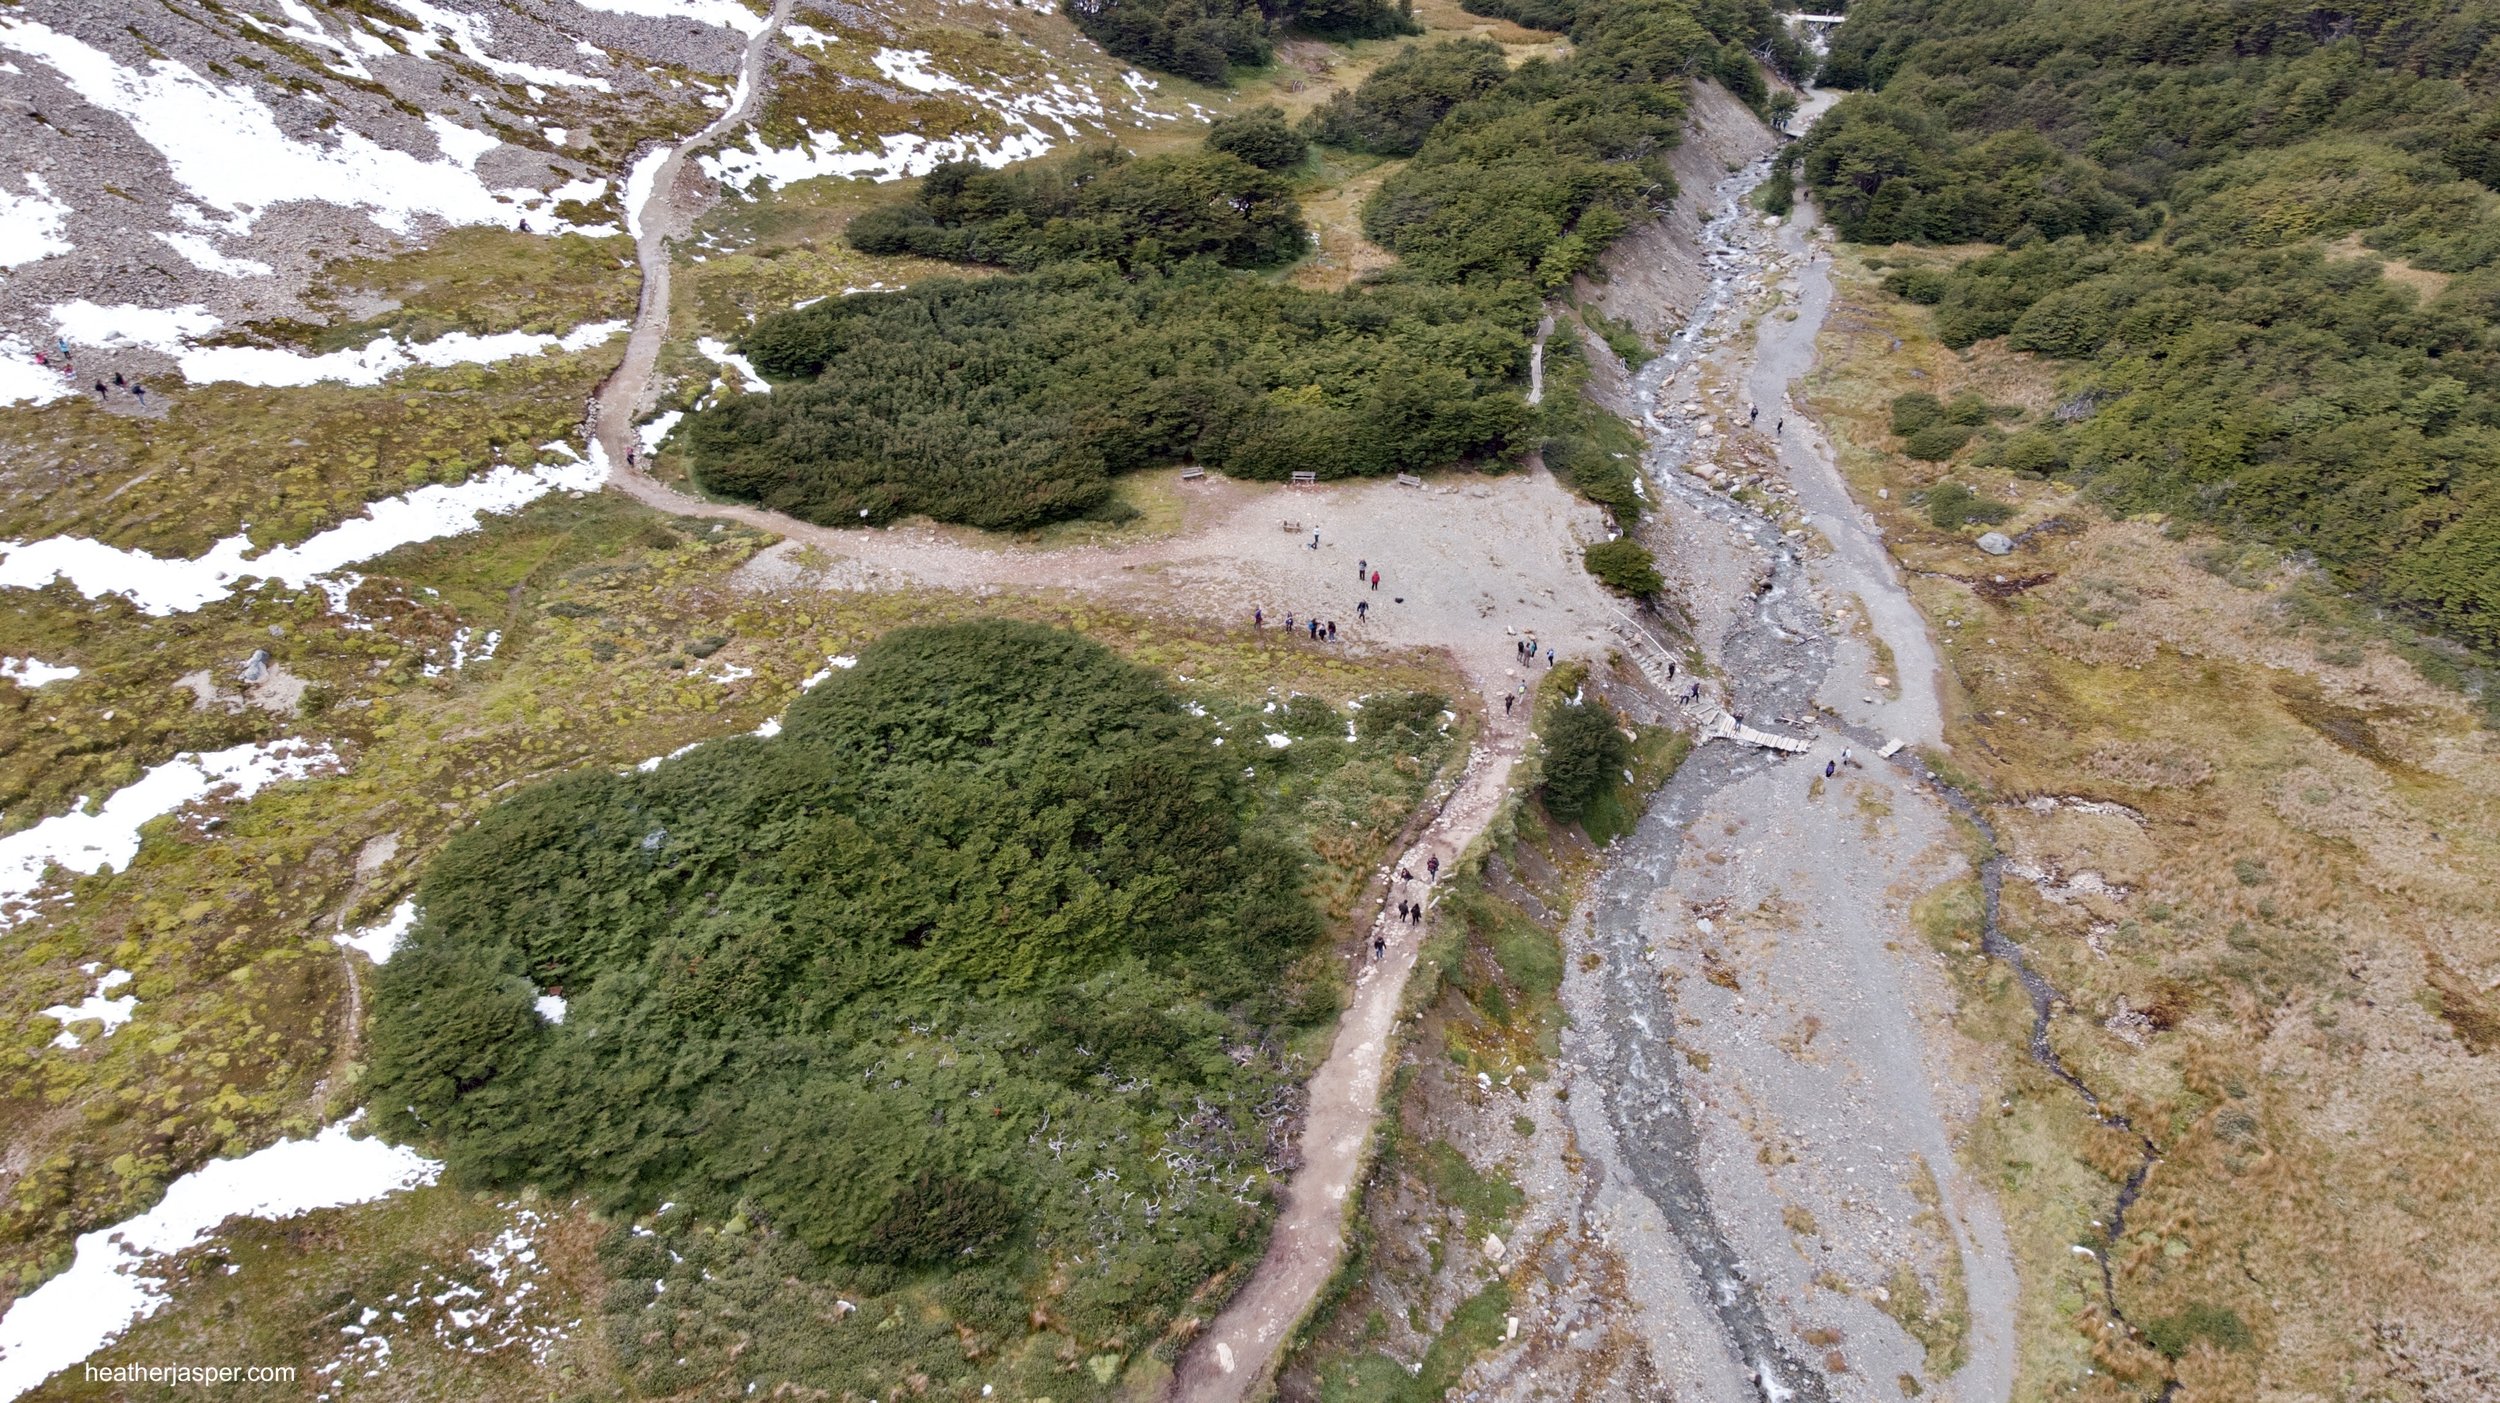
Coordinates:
<point>83,842</point>
<point>106,1291</point>
<point>34,672</point>
<point>896,157</point>
<point>161,586</point>
<point>24,382</point>
<point>224,145</point>
<point>171,329</point>
<point>377,361</point>
<point>728,13</point>
<point>31,224</point>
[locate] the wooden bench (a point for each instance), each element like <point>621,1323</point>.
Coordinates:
<point>1192,474</point>
<point>1409,480</point>
<point>1293,527</point>
<point>1305,479</point>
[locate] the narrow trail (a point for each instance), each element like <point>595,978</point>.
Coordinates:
<point>1235,1354</point>
<point>666,213</point>
<point>1230,554</point>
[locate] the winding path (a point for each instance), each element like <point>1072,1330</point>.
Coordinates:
<point>1442,594</point>
<point>665,214</point>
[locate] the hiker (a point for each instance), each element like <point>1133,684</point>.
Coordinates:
<point>1753,413</point>
<point>1844,756</point>
<point>1288,621</point>
<point>1375,579</point>
<point>99,389</point>
<point>1549,657</point>
<point>525,226</point>
<point>1405,876</point>
<point>139,391</point>
<point>1315,540</point>
<point>1380,947</point>
<point>629,457</point>
<point>117,379</point>
<point>1779,428</point>
<point>1258,619</point>
<point>1332,630</point>
<point>1670,669</point>
<point>1415,915</point>
<point>1432,866</point>
<point>1360,567</point>
<point>1362,610</point>
<point>1830,767</point>
<point>1314,630</point>
<point>1509,700</point>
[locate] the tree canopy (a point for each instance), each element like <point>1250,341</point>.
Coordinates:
<point>1012,401</point>
<point>991,835</point>
<point>1098,204</point>
<point>1207,39</point>
<point>2195,203</point>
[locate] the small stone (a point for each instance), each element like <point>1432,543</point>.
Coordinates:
<point>1997,543</point>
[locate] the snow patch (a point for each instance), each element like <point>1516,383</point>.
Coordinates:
<point>910,67</point>
<point>639,183</point>
<point>90,842</point>
<point>1278,740</point>
<point>550,1007</point>
<point>166,329</point>
<point>472,33</point>
<point>111,1012</point>
<point>380,940</point>
<point>31,224</point>
<point>203,255</point>
<point>35,672</point>
<point>24,382</point>
<point>161,586</point>
<point>224,145</point>
<point>106,1289</point>
<point>718,353</point>
<point>376,361</point>
<point>653,433</point>
<point>726,13</point>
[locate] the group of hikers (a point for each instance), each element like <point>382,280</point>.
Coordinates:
<point>1324,630</point>
<point>58,358</point>
<point>1410,910</point>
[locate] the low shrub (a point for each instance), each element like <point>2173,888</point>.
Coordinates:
<point>1936,442</point>
<point>1952,506</point>
<point>1625,566</point>
<point>1583,751</point>
<point>1260,136</point>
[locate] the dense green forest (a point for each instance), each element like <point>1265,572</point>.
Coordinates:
<point>2194,202</point>
<point>1013,401</point>
<point>1397,105</point>
<point>986,927</point>
<point>1207,39</point>
<point>1095,205</point>
<point>1007,402</point>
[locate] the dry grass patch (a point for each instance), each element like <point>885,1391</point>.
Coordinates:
<point>2283,976</point>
